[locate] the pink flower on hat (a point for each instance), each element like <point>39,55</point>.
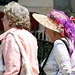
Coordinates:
<point>62,33</point>
<point>56,21</point>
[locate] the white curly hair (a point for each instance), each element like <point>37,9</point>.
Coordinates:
<point>18,14</point>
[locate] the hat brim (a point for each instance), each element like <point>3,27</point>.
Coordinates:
<point>46,22</point>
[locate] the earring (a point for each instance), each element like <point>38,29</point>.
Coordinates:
<point>9,25</point>
<point>52,34</point>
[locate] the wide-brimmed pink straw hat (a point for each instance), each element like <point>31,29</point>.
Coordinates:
<point>52,20</point>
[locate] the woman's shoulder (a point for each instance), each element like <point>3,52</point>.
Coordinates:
<point>59,41</point>
<point>25,35</point>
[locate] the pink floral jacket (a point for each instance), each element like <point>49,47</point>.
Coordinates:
<point>11,52</point>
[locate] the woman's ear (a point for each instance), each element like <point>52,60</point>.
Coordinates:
<point>10,23</point>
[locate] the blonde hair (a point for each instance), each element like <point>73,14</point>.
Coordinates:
<point>18,14</point>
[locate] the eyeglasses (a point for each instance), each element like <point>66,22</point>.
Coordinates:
<point>3,19</point>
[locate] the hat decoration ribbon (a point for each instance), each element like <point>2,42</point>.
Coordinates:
<point>67,25</point>
<point>72,19</point>
<point>59,18</point>
<point>70,32</point>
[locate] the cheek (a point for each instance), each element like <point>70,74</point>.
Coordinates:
<point>6,25</point>
<point>49,35</point>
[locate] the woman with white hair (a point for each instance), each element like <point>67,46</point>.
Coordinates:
<point>16,20</point>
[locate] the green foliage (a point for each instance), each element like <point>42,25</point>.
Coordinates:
<point>43,50</point>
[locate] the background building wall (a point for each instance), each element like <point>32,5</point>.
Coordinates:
<point>73,7</point>
<point>45,6</point>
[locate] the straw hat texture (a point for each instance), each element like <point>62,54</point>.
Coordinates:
<point>52,20</point>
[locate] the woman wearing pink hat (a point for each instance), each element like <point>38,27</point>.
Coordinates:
<point>61,60</point>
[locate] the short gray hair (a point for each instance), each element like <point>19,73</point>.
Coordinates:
<point>18,14</point>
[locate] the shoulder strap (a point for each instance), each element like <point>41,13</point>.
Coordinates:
<point>25,59</point>
<point>49,54</point>
<point>46,60</point>
<point>65,44</point>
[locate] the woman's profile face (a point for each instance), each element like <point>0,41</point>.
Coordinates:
<point>50,34</point>
<point>6,23</point>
